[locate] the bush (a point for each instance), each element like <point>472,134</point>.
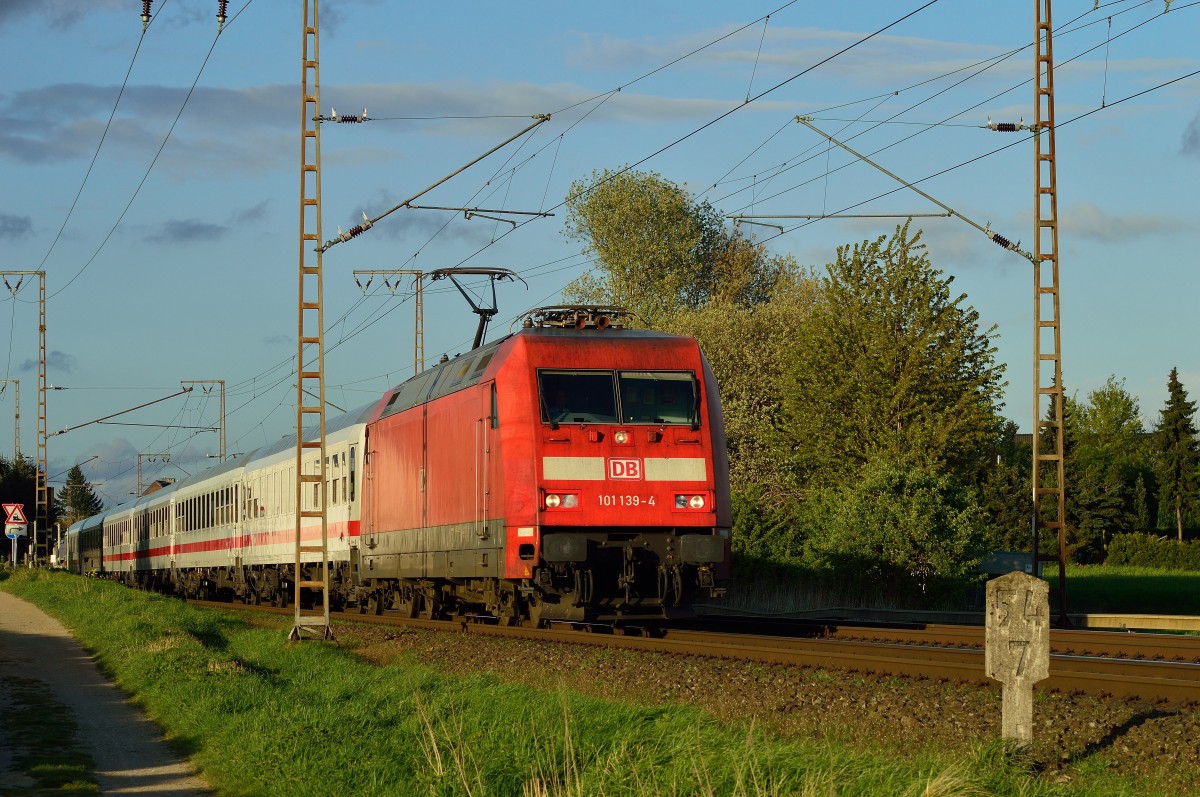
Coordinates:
<point>1147,550</point>
<point>763,529</point>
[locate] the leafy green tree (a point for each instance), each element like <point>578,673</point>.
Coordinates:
<point>76,500</point>
<point>749,350</point>
<point>1111,421</point>
<point>897,527</point>
<point>1177,456</point>
<point>891,367</point>
<point>658,250</point>
<point>1106,457</point>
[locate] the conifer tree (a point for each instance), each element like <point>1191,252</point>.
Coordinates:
<point>1178,454</point>
<point>76,500</point>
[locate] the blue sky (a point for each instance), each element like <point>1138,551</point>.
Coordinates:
<point>180,264</point>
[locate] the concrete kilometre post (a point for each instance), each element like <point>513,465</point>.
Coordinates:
<point>1017,651</point>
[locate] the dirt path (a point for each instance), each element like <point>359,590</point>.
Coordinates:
<point>130,756</point>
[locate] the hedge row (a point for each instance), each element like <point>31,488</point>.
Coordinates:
<point>1147,550</point>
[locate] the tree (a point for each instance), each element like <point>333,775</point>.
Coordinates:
<point>749,350</point>
<point>1177,453</point>
<point>895,527</point>
<point>657,250</point>
<point>1110,422</point>
<point>18,485</point>
<point>891,367</point>
<point>1106,459</point>
<point>1005,492</point>
<point>76,500</point>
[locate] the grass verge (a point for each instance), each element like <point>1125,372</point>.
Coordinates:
<point>1129,590</point>
<point>260,717</point>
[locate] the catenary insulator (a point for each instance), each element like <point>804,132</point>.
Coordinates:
<point>353,232</point>
<point>346,118</point>
<point>1001,240</point>
<point>222,8</point>
<point>146,14</point>
<point>1006,127</point>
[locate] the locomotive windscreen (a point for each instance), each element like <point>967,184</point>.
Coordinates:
<point>650,397</point>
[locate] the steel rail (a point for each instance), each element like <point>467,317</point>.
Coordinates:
<point>1155,681</point>
<point>1120,644</point>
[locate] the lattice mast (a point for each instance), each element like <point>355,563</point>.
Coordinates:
<point>43,489</point>
<point>38,544</point>
<point>1047,330</point>
<point>310,372</point>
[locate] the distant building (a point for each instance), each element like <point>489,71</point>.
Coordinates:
<point>157,485</point>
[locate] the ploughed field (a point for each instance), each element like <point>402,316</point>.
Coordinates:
<point>1130,738</point>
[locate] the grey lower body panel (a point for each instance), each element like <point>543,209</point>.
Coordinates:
<point>460,550</point>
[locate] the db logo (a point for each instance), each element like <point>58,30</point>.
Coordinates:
<point>625,469</point>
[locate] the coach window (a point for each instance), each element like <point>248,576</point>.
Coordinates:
<point>577,396</point>
<point>352,473</point>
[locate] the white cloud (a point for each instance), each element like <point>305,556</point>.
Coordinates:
<point>1087,220</point>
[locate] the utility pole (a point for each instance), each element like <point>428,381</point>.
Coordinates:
<point>166,457</point>
<point>42,518</point>
<point>221,426</point>
<point>419,325</point>
<point>1047,329</point>
<point>310,374</point>
<point>16,383</point>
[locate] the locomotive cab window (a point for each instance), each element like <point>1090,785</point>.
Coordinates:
<point>577,396</point>
<point>641,397</point>
<point>659,397</point>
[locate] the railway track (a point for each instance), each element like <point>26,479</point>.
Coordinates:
<point>1110,667</point>
<point>1109,644</point>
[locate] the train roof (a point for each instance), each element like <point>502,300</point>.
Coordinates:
<point>356,416</point>
<point>464,370</point>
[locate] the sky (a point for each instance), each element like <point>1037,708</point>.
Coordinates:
<point>152,175</point>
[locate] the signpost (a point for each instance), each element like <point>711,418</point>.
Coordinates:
<point>1017,651</point>
<point>15,525</point>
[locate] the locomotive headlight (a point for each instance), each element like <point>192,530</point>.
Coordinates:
<point>561,501</point>
<point>696,502</point>
<point>621,437</point>
<point>689,501</point>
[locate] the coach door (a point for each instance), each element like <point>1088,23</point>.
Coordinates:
<point>485,429</point>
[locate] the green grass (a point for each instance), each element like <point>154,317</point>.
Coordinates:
<point>1129,590</point>
<point>260,717</point>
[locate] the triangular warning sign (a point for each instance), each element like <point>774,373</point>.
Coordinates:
<point>16,514</point>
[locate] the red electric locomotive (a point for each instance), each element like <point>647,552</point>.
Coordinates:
<point>574,470</point>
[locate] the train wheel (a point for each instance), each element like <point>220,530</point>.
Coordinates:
<point>406,602</point>
<point>534,607</point>
<point>431,609</point>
